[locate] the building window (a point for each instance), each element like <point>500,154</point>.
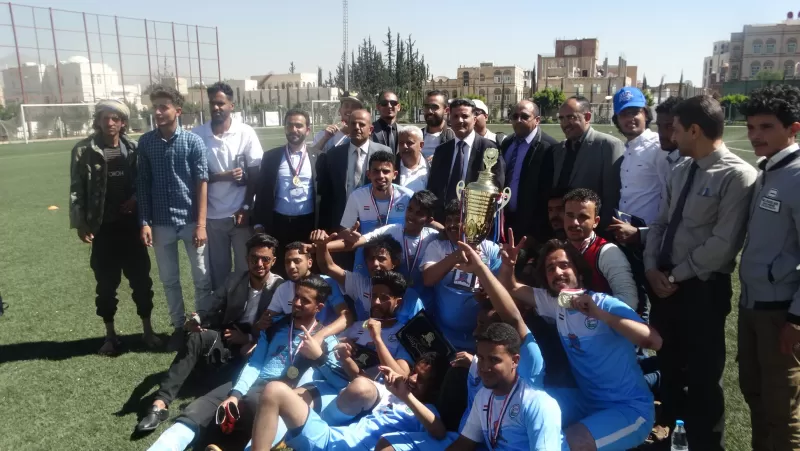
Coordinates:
<point>613,89</point>
<point>507,76</point>
<point>788,69</point>
<point>497,76</point>
<point>498,94</point>
<point>596,88</point>
<point>482,93</point>
<point>769,65</point>
<point>755,68</point>
<point>465,76</point>
<point>791,46</point>
<point>735,73</point>
<point>579,89</point>
<point>570,50</point>
<point>483,77</point>
<point>757,46</point>
<point>770,46</point>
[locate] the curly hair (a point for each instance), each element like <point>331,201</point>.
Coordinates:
<point>582,270</point>
<point>584,195</point>
<point>783,101</point>
<point>167,92</point>
<point>668,105</point>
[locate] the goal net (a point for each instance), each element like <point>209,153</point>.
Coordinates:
<point>323,114</point>
<point>54,121</point>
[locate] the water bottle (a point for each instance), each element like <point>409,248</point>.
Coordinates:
<point>679,440</point>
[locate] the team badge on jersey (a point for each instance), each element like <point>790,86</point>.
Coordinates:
<point>590,323</point>
<point>514,411</point>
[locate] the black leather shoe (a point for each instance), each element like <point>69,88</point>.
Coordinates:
<point>153,418</point>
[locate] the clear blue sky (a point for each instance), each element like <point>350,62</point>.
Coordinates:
<point>259,36</point>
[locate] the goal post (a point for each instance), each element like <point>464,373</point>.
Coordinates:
<point>45,121</point>
<point>323,114</point>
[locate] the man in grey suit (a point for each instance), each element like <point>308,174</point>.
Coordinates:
<point>588,159</point>
<point>344,168</point>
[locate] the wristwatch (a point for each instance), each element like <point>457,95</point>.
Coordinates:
<point>245,207</point>
<point>671,278</point>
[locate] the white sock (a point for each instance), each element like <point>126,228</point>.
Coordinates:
<point>176,438</point>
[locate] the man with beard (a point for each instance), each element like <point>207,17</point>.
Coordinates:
<point>276,357</point>
<point>171,192</point>
<point>611,272</point>
<point>103,210</point>
<point>588,159</point>
<point>344,169</point>
<point>612,408</point>
<point>384,130</point>
<point>528,155</point>
<point>436,131</point>
<point>286,201</point>
<point>226,332</point>
<point>338,134</point>
<point>412,165</point>
<point>234,154</point>
<point>462,158</point>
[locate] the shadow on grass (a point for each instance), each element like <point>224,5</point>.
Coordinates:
<point>63,350</point>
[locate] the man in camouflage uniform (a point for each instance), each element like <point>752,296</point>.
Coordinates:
<point>103,210</point>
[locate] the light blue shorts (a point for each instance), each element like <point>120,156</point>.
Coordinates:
<point>419,441</point>
<point>613,426</point>
<point>316,435</point>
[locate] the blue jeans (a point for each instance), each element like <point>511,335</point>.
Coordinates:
<point>165,244</point>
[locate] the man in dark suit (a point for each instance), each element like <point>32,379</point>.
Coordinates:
<point>528,155</point>
<point>588,159</point>
<point>343,169</point>
<point>461,158</point>
<point>384,130</point>
<point>226,332</point>
<point>286,192</point>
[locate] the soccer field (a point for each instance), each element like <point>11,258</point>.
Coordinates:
<point>57,393</point>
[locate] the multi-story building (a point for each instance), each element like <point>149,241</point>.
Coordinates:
<point>247,92</point>
<point>500,85</point>
<point>575,69</point>
<point>769,47</point>
<point>716,66</point>
<point>80,82</point>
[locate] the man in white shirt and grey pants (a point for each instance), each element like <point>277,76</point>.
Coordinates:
<point>234,156</point>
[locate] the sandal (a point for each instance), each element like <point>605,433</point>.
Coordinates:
<point>110,347</point>
<point>658,434</point>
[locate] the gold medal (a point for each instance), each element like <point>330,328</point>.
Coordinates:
<point>296,180</point>
<point>364,324</point>
<point>292,372</point>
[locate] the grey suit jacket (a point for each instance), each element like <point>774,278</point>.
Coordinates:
<point>597,167</point>
<point>332,182</point>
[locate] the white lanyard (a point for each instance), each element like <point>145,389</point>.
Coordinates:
<point>388,210</point>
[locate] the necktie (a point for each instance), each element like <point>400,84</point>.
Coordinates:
<point>357,169</point>
<point>391,137</point>
<point>512,161</point>
<point>665,256</point>
<point>458,169</point>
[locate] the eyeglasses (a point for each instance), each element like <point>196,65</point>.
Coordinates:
<point>385,102</point>
<point>431,106</point>
<point>255,259</point>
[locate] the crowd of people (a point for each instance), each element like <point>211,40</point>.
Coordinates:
<point>337,305</point>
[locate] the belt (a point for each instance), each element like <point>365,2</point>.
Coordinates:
<point>290,219</point>
<point>772,305</point>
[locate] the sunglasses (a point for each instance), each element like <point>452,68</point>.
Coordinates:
<point>385,102</point>
<point>255,259</point>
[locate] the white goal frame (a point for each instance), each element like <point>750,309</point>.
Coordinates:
<point>89,106</point>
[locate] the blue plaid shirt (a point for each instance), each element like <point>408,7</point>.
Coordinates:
<point>169,171</point>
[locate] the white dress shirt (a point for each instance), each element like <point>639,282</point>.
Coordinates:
<point>431,142</point>
<point>469,140</point>
<point>226,198</point>
<point>639,196</point>
<point>775,159</point>
<point>415,179</point>
<point>363,151</point>
<point>292,200</point>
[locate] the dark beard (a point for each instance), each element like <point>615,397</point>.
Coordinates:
<point>434,121</point>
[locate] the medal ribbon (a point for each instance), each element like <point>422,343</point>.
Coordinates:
<point>295,172</point>
<point>292,355</point>
<point>375,204</point>
<point>494,432</point>
<point>416,255</point>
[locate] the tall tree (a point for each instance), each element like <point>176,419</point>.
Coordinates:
<point>660,88</point>
<point>389,43</point>
<point>291,67</point>
<point>319,75</point>
<point>680,85</point>
<point>644,83</point>
<point>330,81</point>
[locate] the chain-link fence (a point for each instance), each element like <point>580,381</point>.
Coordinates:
<point>53,56</point>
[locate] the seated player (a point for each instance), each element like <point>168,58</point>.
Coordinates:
<point>381,253</point>
<point>453,305</point>
<point>531,365</point>
<point>612,408</point>
<point>335,317</point>
<point>378,204</point>
<point>274,358</point>
<point>330,395</point>
<point>226,332</point>
<point>403,404</point>
<point>414,234</point>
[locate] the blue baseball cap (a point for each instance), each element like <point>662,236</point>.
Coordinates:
<point>628,97</point>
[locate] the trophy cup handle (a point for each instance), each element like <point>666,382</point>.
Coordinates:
<point>505,198</point>
<point>460,189</point>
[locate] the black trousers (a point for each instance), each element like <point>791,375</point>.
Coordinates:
<point>206,350</point>
<point>117,250</point>
<point>692,324</point>
<point>288,229</point>
<point>451,402</point>
<point>201,412</point>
